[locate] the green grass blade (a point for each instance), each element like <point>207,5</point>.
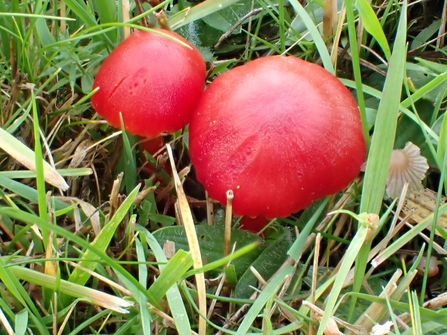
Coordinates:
<point>439,317</point>
<point>142,277</point>
<point>407,102</point>
<point>42,31</point>
<point>382,142</point>
<point>128,164</point>
<point>96,297</point>
<point>22,174</point>
<point>297,248</point>
<point>102,241</point>
<point>28,158</point>
<point>372,25</point>
<point>21,322</point>
<point>132,284</point>
<point>199,11</point>
<point>13,285</point>
<point>82,10</point>
<point>173,295</point>
<point>349,259</point>
<point>40,179</point>
<point>27,192</point>
<point>318,40</point>
<point>266,294</point>
<point>89,322</point>
<point>172,272</point>
<point>107,13</point>
<point>385,127</point>
<point>356,68</point>
<point>142,268</point>
<point>406,238</point>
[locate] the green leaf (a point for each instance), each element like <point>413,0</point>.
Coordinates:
<point>21,322</point>
<point>268,262</point>
<point>211,239</point>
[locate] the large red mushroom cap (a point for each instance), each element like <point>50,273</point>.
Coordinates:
<point>278,131</point>
<point>152,80</point>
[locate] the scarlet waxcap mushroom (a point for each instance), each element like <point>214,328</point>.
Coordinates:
<point>278,131</point>
<point>152,80</point>
<point>253,223</point>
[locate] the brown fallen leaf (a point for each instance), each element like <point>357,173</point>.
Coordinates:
<point>421,204</point>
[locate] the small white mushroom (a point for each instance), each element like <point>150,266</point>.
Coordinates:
<point>433,268</point>
<point>406,166</point>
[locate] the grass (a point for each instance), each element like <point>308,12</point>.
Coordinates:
<point>92,258</point>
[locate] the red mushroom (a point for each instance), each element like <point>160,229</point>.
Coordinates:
<point>278,131</point>
<point>152,80</point>
<point>253,224</point>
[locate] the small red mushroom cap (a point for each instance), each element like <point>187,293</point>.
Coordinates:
<point>152,80</point>
<point>278,131</point>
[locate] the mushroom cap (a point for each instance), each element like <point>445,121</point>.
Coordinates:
<point>433,268</point>
<point>407,165</point>
<point>253,224</point>
<point>278,131</point>
<point>152,80</point>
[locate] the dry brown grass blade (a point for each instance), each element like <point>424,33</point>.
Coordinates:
<point>331,326</point>
<point>115,201</point>
<point>101,278</point>
<point>27,157</point>
<point>143,194</point>
<point>228,217</point>
<point>50,266</point>
<point>441,33</point>
<point>314,279</point>
<point>375,310</point>
<point>209,210</point>
<point>218,291</point>
<point>329,18</point>
<point>89,210</point>
<point>4,321</point>
<point>126,9</point>
<point>187,220</point>
<point>422,204</point>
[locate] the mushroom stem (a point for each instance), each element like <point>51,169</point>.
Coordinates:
<point>209,210</point>
<point>228,217</point>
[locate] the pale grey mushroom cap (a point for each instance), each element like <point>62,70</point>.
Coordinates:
<point>406,166</point>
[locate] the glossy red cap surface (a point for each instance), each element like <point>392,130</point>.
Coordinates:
<point>154,81</point>
<point>278,131</point>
